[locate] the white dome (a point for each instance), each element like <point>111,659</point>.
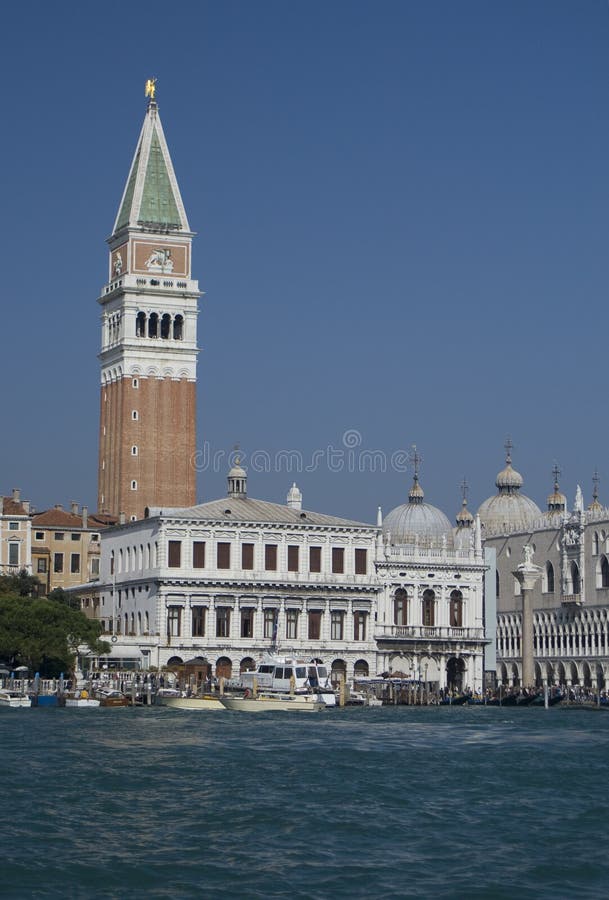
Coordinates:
<point>509,510</point>
<point>417,522</point>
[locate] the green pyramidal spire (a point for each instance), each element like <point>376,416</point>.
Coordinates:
<point>151,199</point>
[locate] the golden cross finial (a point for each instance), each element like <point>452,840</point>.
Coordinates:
<point>150,88</point>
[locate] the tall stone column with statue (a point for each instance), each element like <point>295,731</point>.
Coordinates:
<point>527,574</point>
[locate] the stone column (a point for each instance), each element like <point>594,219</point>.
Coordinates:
<point>527,574</point>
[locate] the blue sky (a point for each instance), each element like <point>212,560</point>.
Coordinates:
<point>402,215</point>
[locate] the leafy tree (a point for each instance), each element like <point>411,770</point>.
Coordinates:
<point>24,584</point>
<point>45,634</point>
<point>62,596</point>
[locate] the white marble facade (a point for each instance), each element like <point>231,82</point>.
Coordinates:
<point>234,578</point>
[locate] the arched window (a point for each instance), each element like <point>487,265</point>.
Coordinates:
<point>153,325</point>
<point>135,415</point>
<point>575,580</point>
<point>135,384</point>
<point>140,325</point>
<point>456,609</point>
<point>134,450</point>
<point>146,622</point>
<point>604,572</point>
<point>139,623</point>
<point>178,328</point>
<point>497,582</point>
<point>429,605</point>
<point>165,326</point>
<point>549,578</point>
<point>400,607</point>
<point>134,485</point>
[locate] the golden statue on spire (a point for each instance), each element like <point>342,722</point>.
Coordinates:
<point>150,88</point>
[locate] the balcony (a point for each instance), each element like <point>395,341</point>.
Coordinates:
<point>427,633</point>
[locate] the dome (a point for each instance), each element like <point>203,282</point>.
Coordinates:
<point>237,472</point>
<point>509,478</point>
<point>237,481</point>
<point>509,510</point>
<point>417,522</point>
<point>557,502</point>
<point>464,517</point>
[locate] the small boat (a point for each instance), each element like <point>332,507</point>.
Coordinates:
<point>13,699</point>
<point>276,702</point>
<point>459,700</point>
<point>175,700</point>
<point>284,674</point>
<point>81,700</point>
<point>112,698</point>
<point>362,698</point>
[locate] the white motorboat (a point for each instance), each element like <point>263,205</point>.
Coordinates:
<point>276,702</point>
<point>287,674</point>
<point>177,700</point>
<point>362,698</point>
<point>81,700</point>
<point>14,699</point>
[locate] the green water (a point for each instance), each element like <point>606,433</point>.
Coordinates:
<point>398,802</point>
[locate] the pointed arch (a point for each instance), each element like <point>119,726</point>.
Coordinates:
<point>548,578</point>
<point>604,572</point>
<point>575,578</point>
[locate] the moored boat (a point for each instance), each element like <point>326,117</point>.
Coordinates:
<point>13,699</point>
<point>112,698</point>
<point>203,703</point>
<point>275,702</point>
<point>81,700</point>
<point>287,674</point>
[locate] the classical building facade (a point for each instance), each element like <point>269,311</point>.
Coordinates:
<point>237,577</point>
<point>15,535</point>
<point>571,596</point>
<point>149,341</point>
<point>430,617</point>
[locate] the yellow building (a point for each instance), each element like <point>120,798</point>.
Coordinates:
<point>66,546</point>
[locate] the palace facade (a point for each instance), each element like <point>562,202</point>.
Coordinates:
<point>571,595</point>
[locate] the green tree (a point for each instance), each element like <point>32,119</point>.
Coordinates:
<point>62,596</point>
<point>45,634</point>
<point>24,584</point>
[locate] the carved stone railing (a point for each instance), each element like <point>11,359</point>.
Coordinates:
<point>426,632</point>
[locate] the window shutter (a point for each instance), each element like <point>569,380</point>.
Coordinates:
<point>174,554</point>
<point>247,556</point>
<point>198,554</point>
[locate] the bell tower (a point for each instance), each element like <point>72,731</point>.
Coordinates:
<point>148,356</point>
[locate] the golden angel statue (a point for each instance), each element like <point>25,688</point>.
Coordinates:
<point>150,88</point>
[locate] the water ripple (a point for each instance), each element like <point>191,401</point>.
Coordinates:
<point>386,803</point>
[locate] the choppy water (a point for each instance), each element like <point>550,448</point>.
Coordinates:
<point>399,802</point>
